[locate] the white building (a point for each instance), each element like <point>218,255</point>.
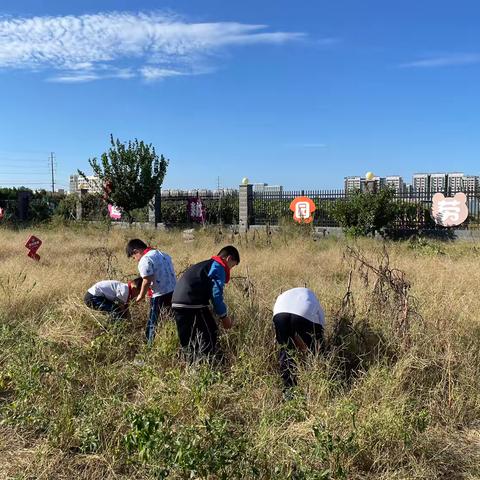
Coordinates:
<point>455,182</point>
<point>471,182</point>
<point>438,182</point>
<point>266,188</point>
<point>421,182</point>
<point>91,184</point>
<point>354,183</point>
<point>396,182</point>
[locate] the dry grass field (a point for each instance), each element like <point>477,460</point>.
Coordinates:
<point>396,395</point>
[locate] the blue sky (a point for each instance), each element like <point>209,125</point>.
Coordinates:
<point>293,93</point>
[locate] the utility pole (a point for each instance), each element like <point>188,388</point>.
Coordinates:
<point>219,202</point>
<point>52,158</point>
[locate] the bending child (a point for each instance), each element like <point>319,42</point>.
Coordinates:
<point>156,269</point>
<point>112,297</point>
<point>299,323</point>
<point>201,284</point>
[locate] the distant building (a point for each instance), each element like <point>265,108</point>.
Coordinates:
<point>455,181</point>
<point>358,183</point>
<point>266,188</point>
<point>91,184</point>
<point>354,183</point>
<point>471,182</point>
<point>395,182</point>
<point>438,182</point>
<point>421,182</point>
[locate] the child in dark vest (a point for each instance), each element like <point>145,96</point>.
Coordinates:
<point>200,285</point>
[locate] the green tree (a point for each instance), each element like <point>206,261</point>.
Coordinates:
<point>131,173</point>
<point>364,213</point>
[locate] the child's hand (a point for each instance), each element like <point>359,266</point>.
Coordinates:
<point>227,322</point>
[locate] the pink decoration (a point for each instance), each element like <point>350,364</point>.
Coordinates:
<point>196,210</point>
<point>114,212</point>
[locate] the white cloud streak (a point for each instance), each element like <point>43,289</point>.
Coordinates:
<point>152,45</point>
<point>444,61</point>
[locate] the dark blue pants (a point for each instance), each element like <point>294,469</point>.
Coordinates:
<point>156,303</point>
<point>197,331</point>
<point>97,302</point>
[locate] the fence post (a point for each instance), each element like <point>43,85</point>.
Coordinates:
<point>245,206</point>
<point>79,210</point>
<point>155,209</point>
<point>23,205</point>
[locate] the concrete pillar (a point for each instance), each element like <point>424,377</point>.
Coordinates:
<point>23,205</point>
<point>79,210</point>
<point>155,210</point>
<point>245,206</point>
<point>371,186</point>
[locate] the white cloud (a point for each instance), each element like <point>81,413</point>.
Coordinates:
<point>153,45</point>
<point>444,61</point>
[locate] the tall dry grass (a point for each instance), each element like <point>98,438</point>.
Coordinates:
<point>80,397</point>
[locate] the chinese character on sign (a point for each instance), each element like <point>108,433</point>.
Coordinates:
<point>196,210</point>
<point>303,208</point>
<point>449,211</point>
<point>114,212</point>
<point>33,244</point>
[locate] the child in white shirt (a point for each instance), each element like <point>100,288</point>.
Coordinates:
<point>156,269</point>
<point>112,297</point>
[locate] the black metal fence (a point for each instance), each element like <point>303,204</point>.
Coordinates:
<point>217,207</point>
<point>413,213</point>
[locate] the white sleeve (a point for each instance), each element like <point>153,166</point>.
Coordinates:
<point>145,267</point>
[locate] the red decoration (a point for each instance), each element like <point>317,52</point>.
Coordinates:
<point>33,244</point>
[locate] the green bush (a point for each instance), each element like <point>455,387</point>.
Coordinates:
<point>366,213</point>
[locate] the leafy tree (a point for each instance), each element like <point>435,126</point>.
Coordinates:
<point>130,174</point>
<point>364,213</point>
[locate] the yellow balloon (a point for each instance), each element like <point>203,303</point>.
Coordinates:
<point>369,176</point>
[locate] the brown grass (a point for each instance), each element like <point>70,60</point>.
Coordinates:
<point>399,409</point>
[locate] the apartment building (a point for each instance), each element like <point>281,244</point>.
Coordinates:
<point>396,182</point>
<point>91,184</point>
<point>421,182</point>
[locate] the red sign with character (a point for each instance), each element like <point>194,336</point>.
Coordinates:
<point>33,244</point>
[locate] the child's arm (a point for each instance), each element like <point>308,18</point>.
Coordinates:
<point>217,276</point>
<point>147,281</point>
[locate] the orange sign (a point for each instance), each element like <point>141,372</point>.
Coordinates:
<point>303,208</point>
<point>449,211</point>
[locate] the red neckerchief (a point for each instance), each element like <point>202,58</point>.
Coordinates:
<point>222,262</point>
<point>150,291</point>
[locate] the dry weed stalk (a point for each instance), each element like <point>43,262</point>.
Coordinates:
<point>391,290</point>
<point>106,259</point>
